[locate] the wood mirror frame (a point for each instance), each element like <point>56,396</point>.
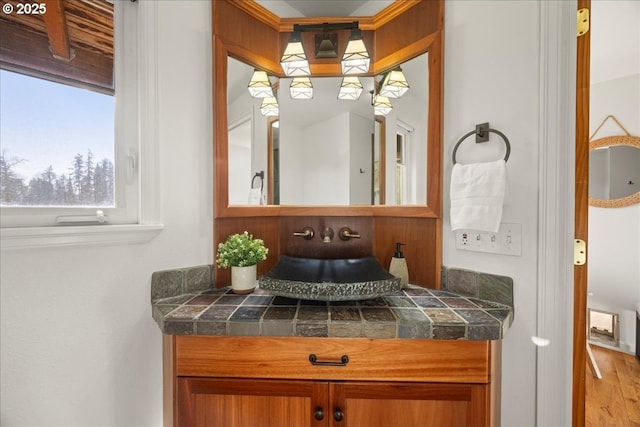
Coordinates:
<point>246,31</point>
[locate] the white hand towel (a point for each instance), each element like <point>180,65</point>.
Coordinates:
<point>477,193</point>
<point>255,195</point>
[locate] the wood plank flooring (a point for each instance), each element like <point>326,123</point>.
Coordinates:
<point>615,399</point>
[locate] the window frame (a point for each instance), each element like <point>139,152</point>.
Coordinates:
<point>137,21</point>
<point>125,137</point>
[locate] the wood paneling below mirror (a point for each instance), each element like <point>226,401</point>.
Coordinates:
<point>421,237</point>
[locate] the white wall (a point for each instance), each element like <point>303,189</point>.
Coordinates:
<point>79,346</point>
<point>360,155</point>
<point>325,160</point>
<point>492,75</point>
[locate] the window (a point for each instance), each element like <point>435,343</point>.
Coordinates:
<point>69,127</point>
<point>57,144</point>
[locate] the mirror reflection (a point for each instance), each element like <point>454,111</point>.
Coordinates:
<point>324,150</point>
<point>326,145</point>
<point>614,171</point>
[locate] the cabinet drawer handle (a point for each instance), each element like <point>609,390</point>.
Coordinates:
<point>314,361</point>
<point>338,415</point>
<point>319,414</point>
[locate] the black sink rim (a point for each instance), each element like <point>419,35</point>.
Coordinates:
<point>369,280</point>
<point>328,270</point>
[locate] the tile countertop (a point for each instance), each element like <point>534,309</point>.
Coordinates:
<point>411,313</point>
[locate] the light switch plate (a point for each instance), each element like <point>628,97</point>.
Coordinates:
<point>507,241</point>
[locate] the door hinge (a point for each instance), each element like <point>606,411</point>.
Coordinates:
<point>582,27</point>
<point>579,252</point>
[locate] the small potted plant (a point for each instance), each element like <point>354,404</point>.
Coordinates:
<point>242,253</point>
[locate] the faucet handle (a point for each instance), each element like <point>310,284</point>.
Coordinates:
<point>307,233</point>
<point>346,234</point>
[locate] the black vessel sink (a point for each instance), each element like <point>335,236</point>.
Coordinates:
<point>329,279</point>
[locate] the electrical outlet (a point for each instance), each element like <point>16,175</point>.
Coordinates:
<point>507,241</point>
<point>468,240</point>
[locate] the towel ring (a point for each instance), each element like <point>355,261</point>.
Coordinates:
<point>261,176</point>
<point>481,136</point>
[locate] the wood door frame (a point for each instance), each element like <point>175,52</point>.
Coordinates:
<point>581,221</point>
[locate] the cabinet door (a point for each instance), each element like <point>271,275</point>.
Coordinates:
<point>223,402</point>
<point>386,404</point>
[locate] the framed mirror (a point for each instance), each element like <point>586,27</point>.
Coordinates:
<point>267,166</point>
<point>614,171</point>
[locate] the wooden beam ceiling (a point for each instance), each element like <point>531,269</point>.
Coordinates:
<point>56,24</point>
<point>72,42</point>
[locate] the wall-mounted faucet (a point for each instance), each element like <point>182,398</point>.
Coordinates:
<point>345,233</point>
<point>327,235</point>
<point>307,233</point>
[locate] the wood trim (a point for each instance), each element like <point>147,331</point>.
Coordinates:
<point>285,25</point>
<point>56,25</point>
<point>382,180</point>
<point>270,162</point>
<point>408,29</point>
<point>169,389</point>
<point>496,383</point>
<point>405,211</point>
<point>435,119</point>
<point>250,7</point>
<point>403,54</point>
<point>581,221</point>
<point>392,11</point>
<point>220,130</point>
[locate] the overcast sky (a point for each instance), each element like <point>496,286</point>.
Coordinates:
<point>48,123</point>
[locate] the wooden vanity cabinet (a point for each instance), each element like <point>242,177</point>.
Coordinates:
<point>270,382</point>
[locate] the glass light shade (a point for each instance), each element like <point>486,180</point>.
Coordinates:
<point>269,107</point>
<point>394,84</point>
<point>259,85</point>
<point>350,88</point>
<point>301,88</point>
<point>356,58</point>
<point>381,105</point>
<point>294,60</point>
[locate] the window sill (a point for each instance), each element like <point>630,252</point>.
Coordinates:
<point>42,237</point>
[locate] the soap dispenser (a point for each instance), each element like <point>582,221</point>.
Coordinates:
<point>398,266</point>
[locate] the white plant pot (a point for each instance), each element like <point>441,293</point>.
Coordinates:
<point>243,279</point>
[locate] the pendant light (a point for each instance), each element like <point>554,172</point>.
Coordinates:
<point>356,58</point>
<point>294,60</point>
<point>381,105</point>
<point>350,88</point>
<point>259,85</point>
<point>301,88</point>
<point>269,107</point>
<point>394,84</point>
